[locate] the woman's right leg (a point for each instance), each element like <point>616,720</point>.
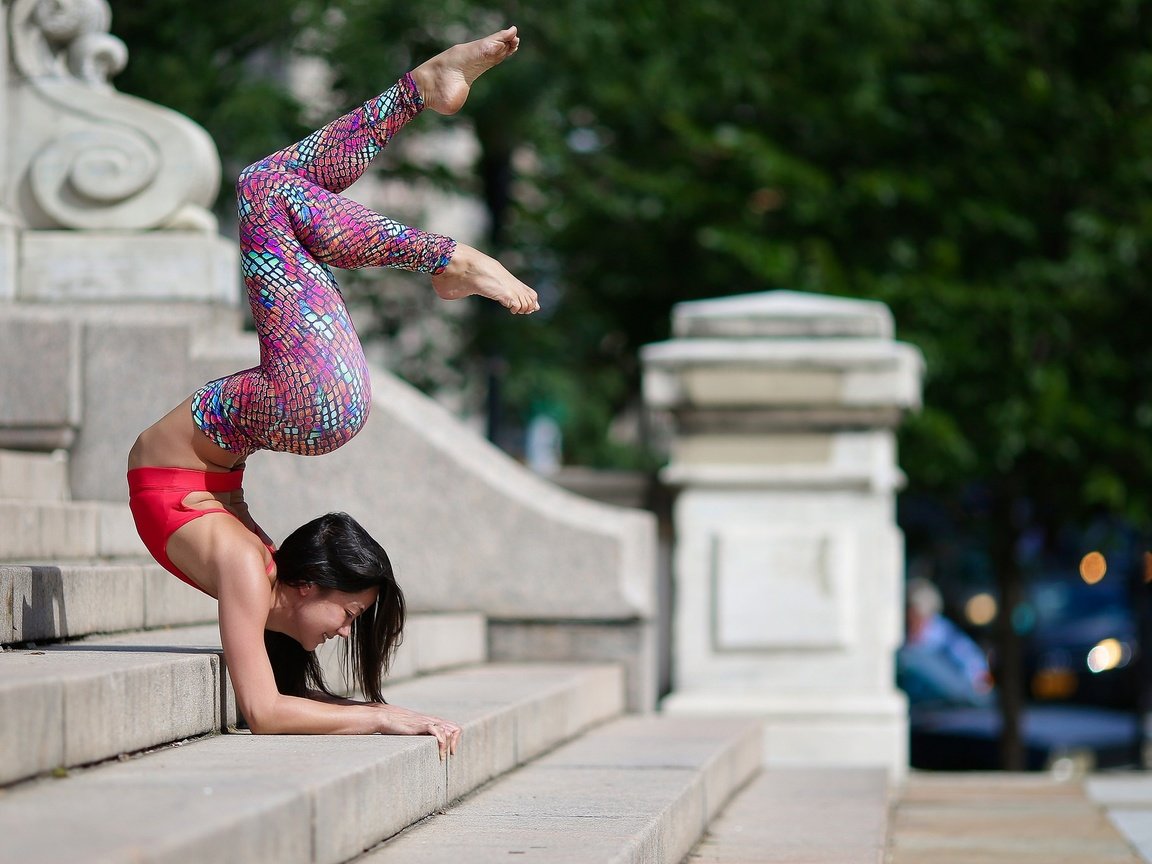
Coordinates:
<point>336,155</point>
<point>310,393</point>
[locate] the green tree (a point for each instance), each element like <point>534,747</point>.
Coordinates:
<point>982,167</point>
<point>224,65</point>
<point>979,166</point>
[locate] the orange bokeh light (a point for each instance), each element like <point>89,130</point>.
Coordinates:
<point>1093,567</point>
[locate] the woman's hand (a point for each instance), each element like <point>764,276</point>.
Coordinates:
<point>401,721</point>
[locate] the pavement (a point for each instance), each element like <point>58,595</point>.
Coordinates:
<point>979,818</point>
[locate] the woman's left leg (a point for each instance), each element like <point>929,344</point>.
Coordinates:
<point>311,392</point>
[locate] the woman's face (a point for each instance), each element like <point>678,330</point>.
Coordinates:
<point>325,613</point>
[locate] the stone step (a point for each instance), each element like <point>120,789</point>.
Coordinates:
<point>433,642</point>
<point>1002,818</point>
<point>1127,799</point>
<point>640,789</point>
<point>33,476</point>
<point>810,815</point>
<point>55,530</point>
<point>65,708</point>
<point>82,702</point>
<point>289,798</point>
<point>69,600</point>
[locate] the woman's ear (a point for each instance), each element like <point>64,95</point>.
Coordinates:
<point>307,589</point>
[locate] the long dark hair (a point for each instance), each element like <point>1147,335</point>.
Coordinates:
<point>335,552</point>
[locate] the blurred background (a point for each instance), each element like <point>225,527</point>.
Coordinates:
<point>984,168</point>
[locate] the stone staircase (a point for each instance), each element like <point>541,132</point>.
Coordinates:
<point>118,738</point>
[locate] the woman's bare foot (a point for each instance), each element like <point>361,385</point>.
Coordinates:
<point>444,80</point>
<point>472,272</point>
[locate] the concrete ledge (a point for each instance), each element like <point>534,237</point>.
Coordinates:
<point>55,530</point>
<point>86,701</point>
<point>70,707</point>
<point>290,798</point>
<point>33,476</point>
<point>632,643</point>
<point>805,729</point>
<point>70,267</point>
<point>818,816</point>
<point>117,534</point>
<point>48,530</point>
<point>432,643</point>
<point>640,789</point>
<point>71,600</point>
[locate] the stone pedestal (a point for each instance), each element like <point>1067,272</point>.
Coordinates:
<point>788,562</point>
<point>110,266</point>
<point>103,204</point>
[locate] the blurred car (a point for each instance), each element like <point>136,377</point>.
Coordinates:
<point>1084,645</point>
<point>1059,738</point>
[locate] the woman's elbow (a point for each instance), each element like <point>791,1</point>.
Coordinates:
<point>262,719</point>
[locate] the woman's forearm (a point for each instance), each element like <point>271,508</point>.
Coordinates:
<point>293,715</point>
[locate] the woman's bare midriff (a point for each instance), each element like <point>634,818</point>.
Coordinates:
<point>175,442</point>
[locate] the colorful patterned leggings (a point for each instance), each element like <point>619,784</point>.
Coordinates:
<point>311,393</point>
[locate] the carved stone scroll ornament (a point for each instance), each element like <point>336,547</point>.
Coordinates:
<point>100,159</point>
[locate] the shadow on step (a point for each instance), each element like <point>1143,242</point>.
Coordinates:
<point>43,609</point>
<point>137,649</point>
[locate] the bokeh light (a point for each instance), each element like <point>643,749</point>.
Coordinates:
<point>1108,654</point>
<point>981,609</point>
<point>1054,683</point>
<point>1093,567</point>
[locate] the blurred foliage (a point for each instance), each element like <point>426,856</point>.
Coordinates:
<point>222,64</point>
<point>981,167</point>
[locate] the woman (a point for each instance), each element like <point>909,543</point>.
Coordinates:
<point>309,395</point>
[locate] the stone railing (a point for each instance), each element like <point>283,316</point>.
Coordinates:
<point>102,200</point>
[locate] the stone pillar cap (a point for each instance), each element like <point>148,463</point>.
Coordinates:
<point>782,315</point>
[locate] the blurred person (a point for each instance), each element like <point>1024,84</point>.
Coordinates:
<point>309,395</point>
<point>939,663</point>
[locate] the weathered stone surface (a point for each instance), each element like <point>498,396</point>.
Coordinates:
<point>957,818</point>
<point>782,315</point>
<point>110,422</point>
<point>71,707</point>
<point>815,816</point>
<point>117,535</point>
<point>221,798</point>
<point>9,260</point>
<point>47,529</point>
<point>43,602</point>
<point>77,267</point>
<point>168,602</point>
<point>31,722</point>
<point>531,550</point>
<point>33,476</point>
<point>788,563</point>
<point>83,155</point>
<point>68,601</point>
<point>631,643</point>
<point>635,790</point>
<point>39,390</point>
